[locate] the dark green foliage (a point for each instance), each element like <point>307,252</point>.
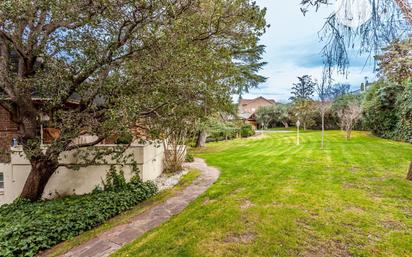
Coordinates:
<point>115,180</point>
<point>125,139</point>
<point>342,102</point>
<point>220,131</point>
<point>379,108</point>
<point>272,116</point>
<point>228,131</point>
<point>404,103</point>
<point>331,120</point>
<point>388,110</point>
<point>247,131</point>
<point>189,157</point>
<point>27,228</point>
<point>166,64</point>
<point>304,89</point>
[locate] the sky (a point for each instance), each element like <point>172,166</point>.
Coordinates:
<point>293,49</point>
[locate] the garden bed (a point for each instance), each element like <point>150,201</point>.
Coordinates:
<point>27,228</point>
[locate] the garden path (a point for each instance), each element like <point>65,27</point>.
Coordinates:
<point>111,240</point>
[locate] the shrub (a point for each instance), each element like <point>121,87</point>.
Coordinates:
<point>247,131</point>
<point>222,131</point>
<point>388,110</point>
<point>189,158</point>
<point>27,228</point>
<point>115,180</point>
<point>404,103</point>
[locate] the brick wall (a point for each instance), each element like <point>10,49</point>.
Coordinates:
<point>8,130</point>
<point>252,105</point>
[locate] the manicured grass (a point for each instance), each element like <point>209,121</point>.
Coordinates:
<point>122,218</point>
<point>278,199</point>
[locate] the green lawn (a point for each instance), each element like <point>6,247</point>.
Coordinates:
<point>123,218</point>
<point>278,199</point>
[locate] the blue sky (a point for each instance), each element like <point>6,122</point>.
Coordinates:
<point>293,49</point>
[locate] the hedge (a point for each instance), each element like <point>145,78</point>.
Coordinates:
<point>247,131</point>
<point>27,228</point>
<point>388,110</point>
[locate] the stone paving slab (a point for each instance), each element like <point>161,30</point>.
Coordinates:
<point>110,241</point>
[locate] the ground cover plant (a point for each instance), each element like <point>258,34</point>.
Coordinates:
<point>275,198</point>
<point>124,217</point>
<point>26,228</point>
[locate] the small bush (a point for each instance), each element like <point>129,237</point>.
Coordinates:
<point>223,131</point>
<point>247,131</point>
<point>27,228</point>
<point>189,158</point>
<point>115,180</point>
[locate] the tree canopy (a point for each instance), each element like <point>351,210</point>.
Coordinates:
<point>304,89</point>
<point>101,67</point>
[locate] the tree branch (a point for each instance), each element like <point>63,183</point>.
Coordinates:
<point>406,9</point>
<point>93,143</point>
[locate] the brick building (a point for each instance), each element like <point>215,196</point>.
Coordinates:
<point>247,109</point>
<point>8,130</point>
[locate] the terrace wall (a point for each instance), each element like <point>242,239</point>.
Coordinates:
<point>149,158</point>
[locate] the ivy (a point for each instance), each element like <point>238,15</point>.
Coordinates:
<point>27,228</point>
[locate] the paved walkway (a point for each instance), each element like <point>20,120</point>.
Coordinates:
<point>111,240</point>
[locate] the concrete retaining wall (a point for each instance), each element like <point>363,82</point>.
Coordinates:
<point>149,158</point>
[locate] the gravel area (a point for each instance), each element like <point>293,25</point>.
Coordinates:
<point>166,181</point>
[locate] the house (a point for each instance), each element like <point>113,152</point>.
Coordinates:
<point>247,109</point>
<point>8,131</point>
<point>15,167</point>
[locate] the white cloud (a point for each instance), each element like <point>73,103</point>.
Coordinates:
<point>281,80</point>
<point>293,49</point>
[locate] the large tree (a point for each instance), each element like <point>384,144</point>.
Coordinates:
<point>304,89</point>
<point>247,64</point>
<point>395,64</point>
<point>302,93</point>
<point>120,61</point>
<point>272,115</point>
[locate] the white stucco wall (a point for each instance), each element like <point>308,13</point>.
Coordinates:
<point>149,158</point>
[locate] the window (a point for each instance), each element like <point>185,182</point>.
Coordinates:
<point>1,182</point>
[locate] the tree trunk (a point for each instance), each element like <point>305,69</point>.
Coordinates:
<point>348,134</point>
<point>409,177</point>
<point>323,129</point>
<point>201,139</point>
<point>285,124</point>
<point>41,171</point>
